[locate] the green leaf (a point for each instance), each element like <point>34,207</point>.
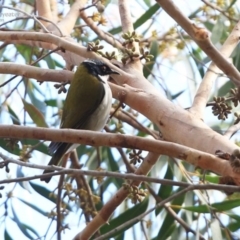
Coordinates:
<point>23,184</point>
<point>120,237</point>
<point>50,62</point>
<point>34,114</point>
<point>25,51</point>
<point>6,235</point>
<point>225,88</point>
<point>233,216</point>
<point>37,144</point>
<point>148,3</point>
<point>167,232</point>
<point>217,31</point>
<point>195,13</point>
<point>44,192</point>
<point>218,207</point>
<point>131,213</point>
<point>32,89</point>
<point>211,178</point>
<point>13,116</point>
<point>233,225</point>
<point>174,96</point>
<point>51,102</point>
<point>113,167</point>
<point>149,65</point>
<point>236,57</point>
<point>209,25</point>
<point>47,194</point>
<point>141,20</point>
<point>146,16</point>
<point>23,227</point>
<point>165,190</point>
<point>198,59</point>
<point>5,145</point>
<point>169,224</point>
<point>232,3</point>
<point>33,207</point>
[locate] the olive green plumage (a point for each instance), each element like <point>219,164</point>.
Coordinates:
<point>87,105</point>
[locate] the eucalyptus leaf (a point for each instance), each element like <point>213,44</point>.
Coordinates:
<point>35,114</point>
<point>25,229</point>
<point>124,217</point>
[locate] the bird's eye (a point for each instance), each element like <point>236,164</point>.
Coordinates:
<point>104,68</point>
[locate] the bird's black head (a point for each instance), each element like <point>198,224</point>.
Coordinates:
<point>97,67</point>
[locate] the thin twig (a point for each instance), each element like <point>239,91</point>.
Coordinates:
<point>172,212</point>
<point>141,216</point>
<point>107,37</point>
<point>82,184</point>
<point>127,176</point>
<point>205,88</point>
<point>232,130</point>
<point>219,10</point>
<point>202,37</point>
<point>33,17</point>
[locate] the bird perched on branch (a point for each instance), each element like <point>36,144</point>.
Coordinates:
<point>87,105</point>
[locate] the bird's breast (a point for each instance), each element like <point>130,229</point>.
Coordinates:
<point>100,116</point>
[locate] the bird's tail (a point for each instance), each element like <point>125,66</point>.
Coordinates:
<point>57,156</point>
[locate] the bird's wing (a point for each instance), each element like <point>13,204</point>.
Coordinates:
<point>69,119</point>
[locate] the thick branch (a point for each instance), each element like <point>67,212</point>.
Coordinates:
<point>195,157</point>
<point>35,72</point>
<point>46,38</point>
<point>172,120</point>
<point>44,10</point>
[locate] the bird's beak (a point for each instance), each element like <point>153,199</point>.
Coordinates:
<point>114,72</point>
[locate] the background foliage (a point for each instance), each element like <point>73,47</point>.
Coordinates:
<point>28,209</point>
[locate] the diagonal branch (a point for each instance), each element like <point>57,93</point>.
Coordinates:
<point>223,12</point>
<point>204,90</point>
<point>141,216</point>
<point>202,38</point>
<point>101,34</point>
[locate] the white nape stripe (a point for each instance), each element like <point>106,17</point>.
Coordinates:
<point>90,60</point>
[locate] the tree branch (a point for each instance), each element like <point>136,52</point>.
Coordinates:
<point>195,157</point>
<point>171,120</point>
<point>204,90</point>
<point>101,34</point>
<point>44,10</point>
<point>68,22</point>
<point>94,173</point>
<point>202,38</point>
<point>223,12</point>
<point>127,26</point>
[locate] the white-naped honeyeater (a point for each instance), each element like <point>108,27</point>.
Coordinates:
<point>87,105</point>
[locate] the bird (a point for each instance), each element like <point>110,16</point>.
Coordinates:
<point>87,105</point>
